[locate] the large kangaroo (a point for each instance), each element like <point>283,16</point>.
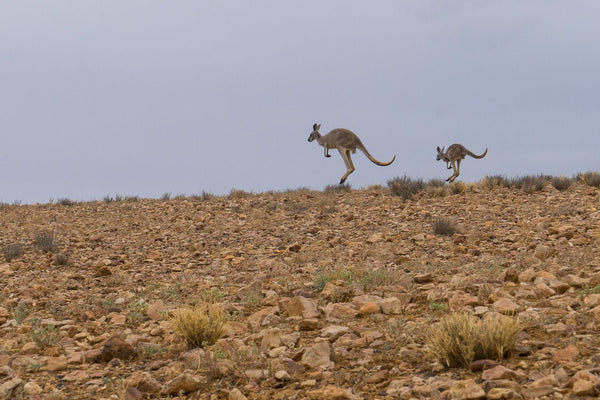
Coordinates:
<point>345,141</point>
<point>454,155</point>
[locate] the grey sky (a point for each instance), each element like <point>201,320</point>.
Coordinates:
<point>146,97</point>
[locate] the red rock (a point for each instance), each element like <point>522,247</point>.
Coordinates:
<point>369,308</point>
<point>115,347</point>
<point>566,355</point>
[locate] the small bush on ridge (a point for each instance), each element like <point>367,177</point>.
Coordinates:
<point>405,187</point>
<point>561,183</point>
<point>530,183</point>
<point>344,187</point>
<point>590,178</point>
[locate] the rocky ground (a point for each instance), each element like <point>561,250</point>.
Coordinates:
<point>330,295</point>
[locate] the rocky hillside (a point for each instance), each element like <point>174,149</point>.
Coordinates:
<point>329,295</point>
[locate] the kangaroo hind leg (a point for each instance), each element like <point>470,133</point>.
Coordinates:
<point>456,168</point>
<point>348,161</point>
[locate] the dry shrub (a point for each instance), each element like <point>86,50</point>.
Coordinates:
<point>561,183</point>
<point>458,187</point>
<point>494,181</point>
<point>444,226</point>
<point>45,241</point>
<point>530,183</point>
<point>13,251</point>
<point>65,202</point>
<point>461,338</point>
<point>201,325</point>
<point>405,187</point>
<point>590,178</point>
<point>343,187</point>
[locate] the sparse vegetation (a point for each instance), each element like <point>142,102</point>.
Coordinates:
<point>590,178</point>
<point>561,183</point>
<point>458,187</point>
<point>405,187</point>
<point>212,295</point>
<point>43,335</point>
<point>204,196</point>
<point>20,312</point>
<point>494,181</point>
<point>444,226</point>
<point>344,187</point>
<point>238,194</point>
<point>13,251</point>
<point>438,306</point>
<point>65,202</point>
<point>460,338</point>
<point>266,258</point>
<point>61,259</point>
<point>201,325</point>
<point>332,275</point>
<point>530,183</point>
<point>45,242</point>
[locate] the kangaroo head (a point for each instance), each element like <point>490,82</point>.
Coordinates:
<point>315,133</point>
<point>441,154</point>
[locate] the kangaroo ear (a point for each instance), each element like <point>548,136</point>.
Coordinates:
<point>438,149</point>
<point>318,127</point>
<point>315,127</point>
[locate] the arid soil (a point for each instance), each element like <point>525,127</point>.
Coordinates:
<point>330,295</point>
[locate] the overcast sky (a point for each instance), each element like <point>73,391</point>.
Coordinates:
<point>147,97</point>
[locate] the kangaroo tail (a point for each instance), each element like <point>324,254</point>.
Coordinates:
<point>373,159</point>
<point>476,156</point>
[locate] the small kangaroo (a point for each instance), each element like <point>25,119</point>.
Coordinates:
<point>453,156</point>
<point>345,141</point>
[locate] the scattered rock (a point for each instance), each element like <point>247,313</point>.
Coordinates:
<point>318,356</point>
<point>142,382</point>
<point>331,393</point>
<point>236,394</point>
<point>115,347</point>
<point>185,383</point>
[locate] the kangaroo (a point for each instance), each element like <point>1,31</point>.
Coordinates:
<point>345,141</point>
<point>453,156</point>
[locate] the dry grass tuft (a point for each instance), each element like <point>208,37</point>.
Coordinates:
<point>201,325</point>
<point>460,338</point>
